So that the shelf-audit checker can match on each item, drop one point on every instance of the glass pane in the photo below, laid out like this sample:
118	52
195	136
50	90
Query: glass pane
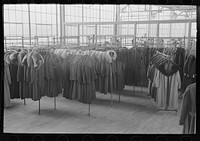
49	18
44	9
6	29
24	7
6	12
19	30
25	17
44	20
33	30
48	8
19	16
26	29
32	8
32	17
53	19
18	7
54	30
38	18
39	30
12	16
13	31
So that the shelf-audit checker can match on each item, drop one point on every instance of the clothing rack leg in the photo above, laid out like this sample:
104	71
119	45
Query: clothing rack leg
111	84
88	109
119	97
39	107
111	98
54	103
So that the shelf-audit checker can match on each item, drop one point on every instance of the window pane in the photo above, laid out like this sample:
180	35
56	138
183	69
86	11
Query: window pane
6	15
26	29
24	7
38	18
19	29
19	16
48	18
44	20
6	29
13	29
12	16
32	17
25	17
33	30
53	19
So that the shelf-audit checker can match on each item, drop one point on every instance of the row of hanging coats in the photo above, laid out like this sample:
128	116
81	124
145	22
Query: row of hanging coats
137	62
39	72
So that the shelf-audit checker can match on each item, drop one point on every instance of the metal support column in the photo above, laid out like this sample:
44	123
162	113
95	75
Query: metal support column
54	103
96	34
189	34
78	35
29	21
56	24
62	24
157	35
39	106
135	31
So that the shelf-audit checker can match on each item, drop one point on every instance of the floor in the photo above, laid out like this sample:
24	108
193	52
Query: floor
135	113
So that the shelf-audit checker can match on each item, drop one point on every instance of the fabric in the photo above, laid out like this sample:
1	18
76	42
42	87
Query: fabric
7	82
167	90
188	110
189	72
14	86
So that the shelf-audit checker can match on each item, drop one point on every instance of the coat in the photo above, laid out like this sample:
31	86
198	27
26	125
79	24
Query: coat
7	82
189	71
167	90
188	110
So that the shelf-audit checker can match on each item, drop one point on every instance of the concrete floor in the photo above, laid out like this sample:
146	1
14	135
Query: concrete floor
134	114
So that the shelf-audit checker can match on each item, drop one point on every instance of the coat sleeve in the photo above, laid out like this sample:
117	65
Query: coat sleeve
156	80
179	80
184	107
33	72
8	76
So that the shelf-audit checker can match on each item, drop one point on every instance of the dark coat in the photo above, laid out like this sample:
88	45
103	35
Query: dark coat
189	71
188	110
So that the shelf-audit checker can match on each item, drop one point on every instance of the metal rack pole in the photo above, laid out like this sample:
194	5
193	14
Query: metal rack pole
88	109
39	107
54	103
111	83
24	101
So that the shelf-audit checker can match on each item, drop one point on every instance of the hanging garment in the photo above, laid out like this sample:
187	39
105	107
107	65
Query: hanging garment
20	74
188	110
151	75
189	72
167	90
13	66
167	81
7	82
